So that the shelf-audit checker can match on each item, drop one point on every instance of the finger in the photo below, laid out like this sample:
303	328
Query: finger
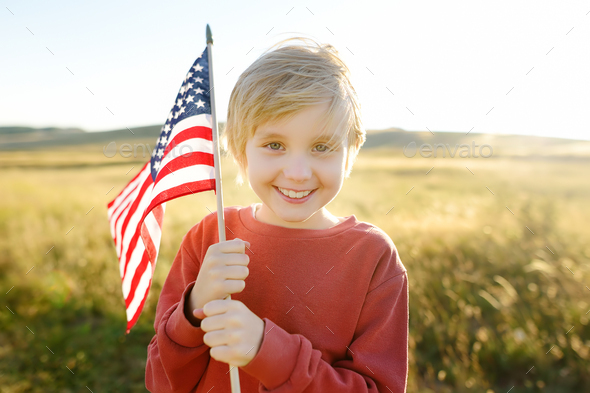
220	353
198	313
216	338
216	307
236	272
214	323
233	286
236	259
233	246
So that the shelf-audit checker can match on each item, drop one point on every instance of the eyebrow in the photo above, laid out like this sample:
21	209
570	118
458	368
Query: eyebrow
270	135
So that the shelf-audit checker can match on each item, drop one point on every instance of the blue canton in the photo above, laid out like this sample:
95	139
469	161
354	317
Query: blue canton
192	99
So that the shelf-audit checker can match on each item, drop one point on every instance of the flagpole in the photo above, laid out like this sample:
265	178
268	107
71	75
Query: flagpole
233	371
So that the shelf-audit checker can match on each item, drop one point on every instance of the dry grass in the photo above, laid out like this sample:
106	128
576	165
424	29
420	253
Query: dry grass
488	298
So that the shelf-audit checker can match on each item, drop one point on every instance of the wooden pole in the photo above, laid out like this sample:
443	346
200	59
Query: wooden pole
233	370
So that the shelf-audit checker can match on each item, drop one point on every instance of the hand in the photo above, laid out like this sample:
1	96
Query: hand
234	333
222	273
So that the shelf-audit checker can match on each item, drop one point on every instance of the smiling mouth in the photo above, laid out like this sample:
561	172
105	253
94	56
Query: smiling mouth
293	194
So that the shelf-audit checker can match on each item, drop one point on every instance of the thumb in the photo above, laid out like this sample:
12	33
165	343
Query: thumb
198	313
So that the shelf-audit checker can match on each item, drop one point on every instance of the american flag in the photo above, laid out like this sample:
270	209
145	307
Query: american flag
181	164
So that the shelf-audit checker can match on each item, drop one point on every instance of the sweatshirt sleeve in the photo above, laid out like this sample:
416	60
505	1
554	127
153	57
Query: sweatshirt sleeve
377	360
177	356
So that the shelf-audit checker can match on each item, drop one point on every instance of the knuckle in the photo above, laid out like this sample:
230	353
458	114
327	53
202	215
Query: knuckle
217	287
214	273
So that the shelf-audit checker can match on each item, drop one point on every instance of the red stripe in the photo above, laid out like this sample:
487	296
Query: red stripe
133	320
137	277
132	189
130	249
183	161
146	257
123	213
190	133
148	242
182	190
131	181
119	242
159	215
132	211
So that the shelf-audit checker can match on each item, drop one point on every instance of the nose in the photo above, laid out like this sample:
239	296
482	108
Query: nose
298	169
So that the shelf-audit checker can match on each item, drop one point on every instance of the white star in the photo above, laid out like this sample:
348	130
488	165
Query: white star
182	109
162	140
199	90
182	89
176	115
167	127
170	116
201	55
189	86
157	165
200	80
198	68
200	104
179	102
190	98
188	76
160	152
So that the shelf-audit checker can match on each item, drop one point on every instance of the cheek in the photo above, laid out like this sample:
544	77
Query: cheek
259	167
333	170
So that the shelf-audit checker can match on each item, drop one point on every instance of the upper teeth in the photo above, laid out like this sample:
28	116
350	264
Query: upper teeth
293	194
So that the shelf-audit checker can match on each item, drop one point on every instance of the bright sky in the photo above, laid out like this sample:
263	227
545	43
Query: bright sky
415	64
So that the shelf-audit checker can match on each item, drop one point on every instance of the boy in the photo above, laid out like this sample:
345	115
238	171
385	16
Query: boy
325	308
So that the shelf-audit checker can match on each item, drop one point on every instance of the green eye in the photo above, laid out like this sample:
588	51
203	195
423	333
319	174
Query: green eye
325	148
274	143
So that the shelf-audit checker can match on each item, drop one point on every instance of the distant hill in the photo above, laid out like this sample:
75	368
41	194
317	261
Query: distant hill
27	138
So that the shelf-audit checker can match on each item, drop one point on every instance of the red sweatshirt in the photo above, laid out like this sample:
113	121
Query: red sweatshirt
334	303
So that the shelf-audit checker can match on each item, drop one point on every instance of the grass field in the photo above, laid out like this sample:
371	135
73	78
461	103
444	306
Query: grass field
492	305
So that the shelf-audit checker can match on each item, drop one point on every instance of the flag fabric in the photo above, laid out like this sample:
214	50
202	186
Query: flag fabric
181	164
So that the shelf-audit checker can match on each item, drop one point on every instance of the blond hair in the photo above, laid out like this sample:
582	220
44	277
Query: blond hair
281	83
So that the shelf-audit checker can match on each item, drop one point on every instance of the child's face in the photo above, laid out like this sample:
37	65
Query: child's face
292	160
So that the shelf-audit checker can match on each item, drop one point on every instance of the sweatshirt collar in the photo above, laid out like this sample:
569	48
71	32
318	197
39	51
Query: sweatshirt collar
264	229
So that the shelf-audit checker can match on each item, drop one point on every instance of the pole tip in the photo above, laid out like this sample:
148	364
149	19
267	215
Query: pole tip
209	35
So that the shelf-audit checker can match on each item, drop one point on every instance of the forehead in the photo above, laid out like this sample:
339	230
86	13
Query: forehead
265	133
308	124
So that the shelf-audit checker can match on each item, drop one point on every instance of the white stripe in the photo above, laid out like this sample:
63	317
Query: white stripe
155	234
134	261
126	191
139	292
124	213
124	210
118	230
202	120
121	211
182	176
189	146
134	221
154	229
